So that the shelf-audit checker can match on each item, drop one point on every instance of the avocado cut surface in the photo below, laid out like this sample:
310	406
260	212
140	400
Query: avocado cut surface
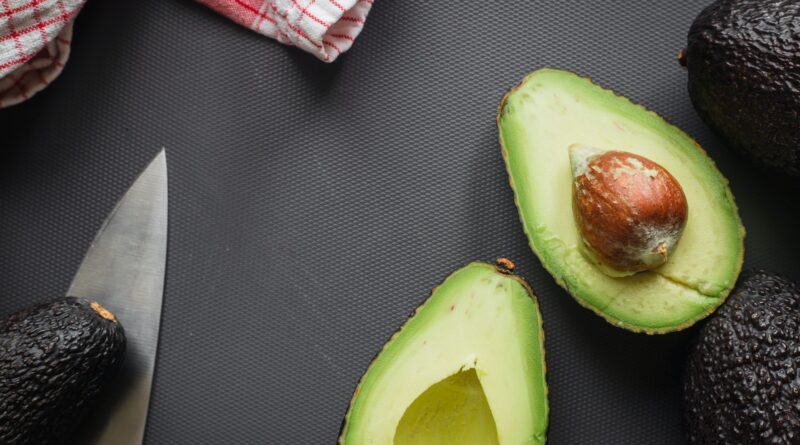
456	400
741	383
743	58
551	110
55	358
467	367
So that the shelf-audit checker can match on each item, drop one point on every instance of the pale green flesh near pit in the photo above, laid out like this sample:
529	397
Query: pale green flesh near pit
454	410
552	110
466	368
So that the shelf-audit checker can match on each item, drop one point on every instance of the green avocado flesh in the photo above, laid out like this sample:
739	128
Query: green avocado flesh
550	111
466	368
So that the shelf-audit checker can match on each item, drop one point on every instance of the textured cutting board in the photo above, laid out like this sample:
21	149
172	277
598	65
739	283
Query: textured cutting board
313	206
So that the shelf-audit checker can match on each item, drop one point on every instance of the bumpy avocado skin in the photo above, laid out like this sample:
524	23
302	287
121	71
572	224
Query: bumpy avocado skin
743	58
742	382
55	358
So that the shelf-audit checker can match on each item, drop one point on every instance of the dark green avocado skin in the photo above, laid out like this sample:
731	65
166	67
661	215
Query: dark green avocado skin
743	382
55	358
743	58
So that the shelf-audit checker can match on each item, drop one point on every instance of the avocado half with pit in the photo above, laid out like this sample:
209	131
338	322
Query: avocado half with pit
551	111
466	368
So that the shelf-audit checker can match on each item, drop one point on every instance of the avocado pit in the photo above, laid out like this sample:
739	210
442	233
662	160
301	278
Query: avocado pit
629	210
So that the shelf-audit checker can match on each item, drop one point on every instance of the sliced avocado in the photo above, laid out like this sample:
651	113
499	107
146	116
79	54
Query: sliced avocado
743	59
467	368
538	121
55	358
741	383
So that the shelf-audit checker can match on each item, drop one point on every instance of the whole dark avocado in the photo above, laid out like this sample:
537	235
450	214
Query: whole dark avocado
743	58
742	383
55	358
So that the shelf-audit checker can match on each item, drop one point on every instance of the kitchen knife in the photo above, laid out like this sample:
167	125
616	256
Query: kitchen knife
124	271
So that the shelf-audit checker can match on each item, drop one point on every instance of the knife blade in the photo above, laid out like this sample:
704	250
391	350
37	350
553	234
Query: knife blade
124	271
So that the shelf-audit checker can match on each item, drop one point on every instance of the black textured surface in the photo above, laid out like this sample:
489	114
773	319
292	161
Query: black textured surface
743	59
742	384
313	206
55	358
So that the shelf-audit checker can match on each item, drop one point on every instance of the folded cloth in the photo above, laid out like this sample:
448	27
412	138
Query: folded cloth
325	28
34	45
35	34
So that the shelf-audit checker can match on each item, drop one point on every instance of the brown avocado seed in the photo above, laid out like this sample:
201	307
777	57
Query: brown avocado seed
630	211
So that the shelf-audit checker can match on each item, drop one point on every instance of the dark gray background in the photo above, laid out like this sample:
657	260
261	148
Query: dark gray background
313	206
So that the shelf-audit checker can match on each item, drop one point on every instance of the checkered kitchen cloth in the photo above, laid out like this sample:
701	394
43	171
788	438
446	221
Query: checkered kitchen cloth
35	34
34	45
325	28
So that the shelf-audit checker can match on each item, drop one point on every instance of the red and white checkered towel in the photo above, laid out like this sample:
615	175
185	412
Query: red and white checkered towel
35	34
325	28
34	45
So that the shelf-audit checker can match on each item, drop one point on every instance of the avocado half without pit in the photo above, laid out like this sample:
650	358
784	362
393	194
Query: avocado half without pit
660	258
466	368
